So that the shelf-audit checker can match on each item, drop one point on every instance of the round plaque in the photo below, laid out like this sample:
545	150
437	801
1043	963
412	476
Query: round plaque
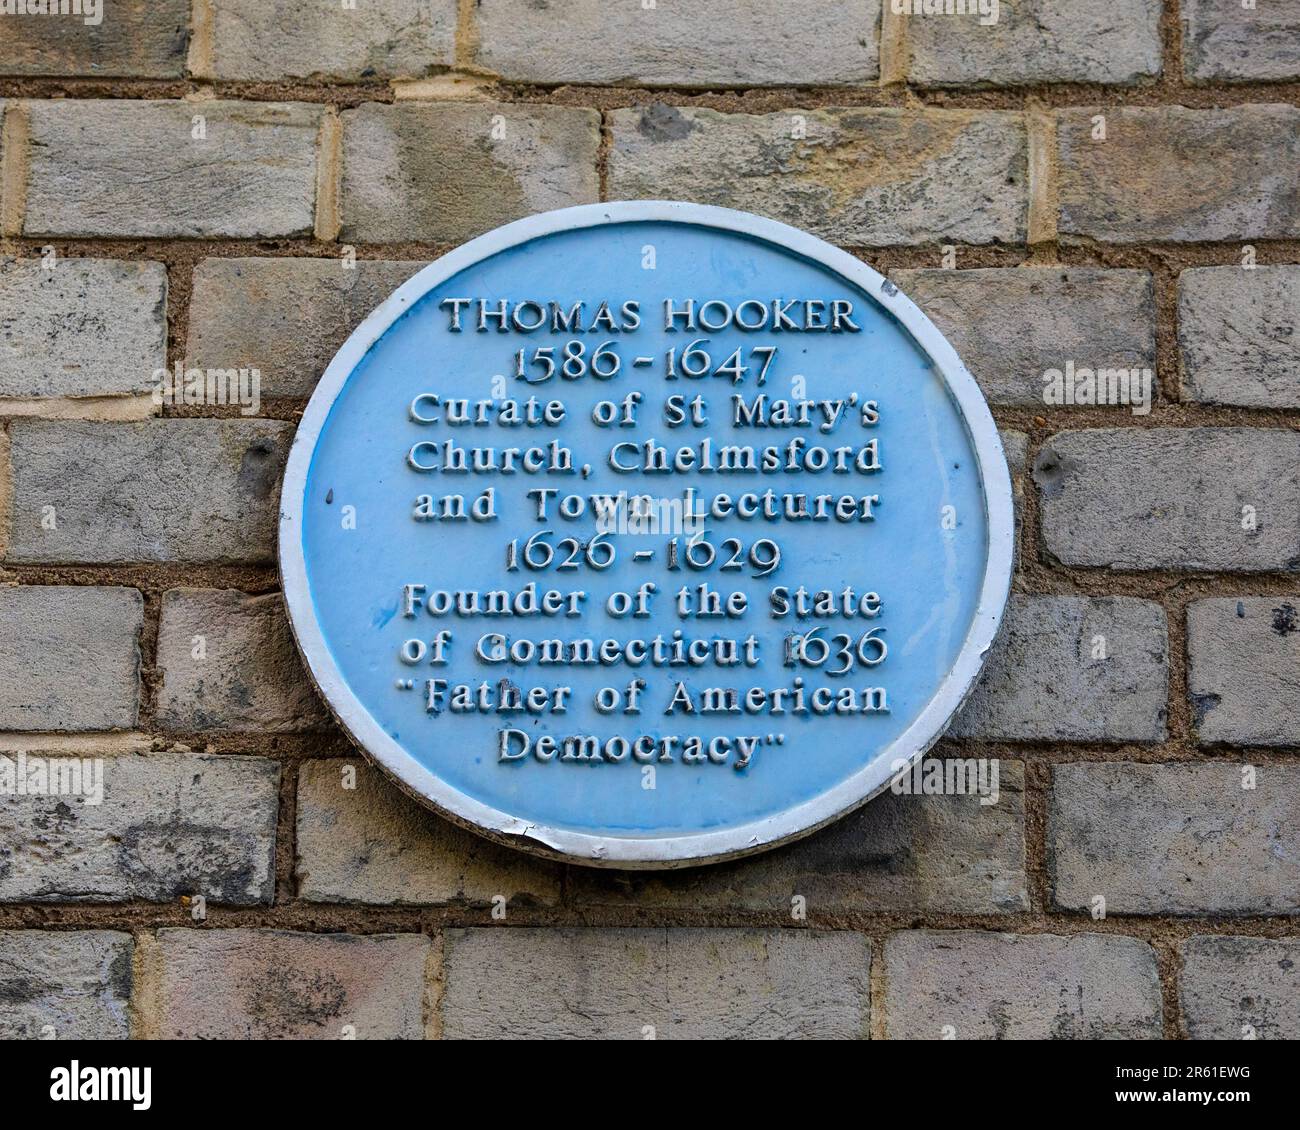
645	534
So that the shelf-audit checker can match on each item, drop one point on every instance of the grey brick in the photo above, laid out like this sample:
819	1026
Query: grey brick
900	854
88	327
1176	174
1012	326
285	317
278	985
376	39
868	177
1243	673
1241	988
124	168
1033	41
159	490
373	844
725	43
1020	987
1225	41
69	657
228	662
435	172
1175	838
166	825
530	983
135	39
1015	445
1236	329
72	985
1172	498
1044	680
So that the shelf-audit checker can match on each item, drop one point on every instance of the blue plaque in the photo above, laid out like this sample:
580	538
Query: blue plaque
646	534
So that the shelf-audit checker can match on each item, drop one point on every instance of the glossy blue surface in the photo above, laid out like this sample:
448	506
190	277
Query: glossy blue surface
927	571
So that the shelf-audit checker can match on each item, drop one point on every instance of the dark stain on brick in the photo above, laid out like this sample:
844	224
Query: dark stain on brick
1064	1026
1285	621
259	468
24	989
283	1001
58	819
121	974
1049	472
664	123
1202	704
169	858
999	1014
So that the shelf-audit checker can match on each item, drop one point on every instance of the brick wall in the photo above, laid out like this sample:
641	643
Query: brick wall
1099	175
